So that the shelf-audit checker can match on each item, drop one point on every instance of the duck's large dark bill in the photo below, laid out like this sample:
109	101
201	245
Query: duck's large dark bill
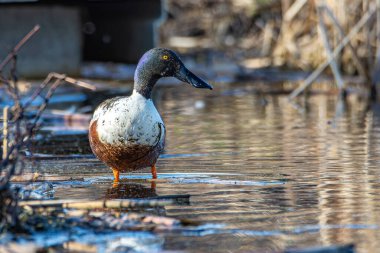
187	76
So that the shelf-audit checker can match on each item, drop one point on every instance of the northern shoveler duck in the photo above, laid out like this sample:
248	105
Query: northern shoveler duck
127	133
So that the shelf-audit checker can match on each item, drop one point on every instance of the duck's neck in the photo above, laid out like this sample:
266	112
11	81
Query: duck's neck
144	80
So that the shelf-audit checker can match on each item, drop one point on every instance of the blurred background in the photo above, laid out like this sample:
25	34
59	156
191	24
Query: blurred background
235	39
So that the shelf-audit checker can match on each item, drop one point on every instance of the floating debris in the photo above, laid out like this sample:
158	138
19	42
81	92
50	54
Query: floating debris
44	190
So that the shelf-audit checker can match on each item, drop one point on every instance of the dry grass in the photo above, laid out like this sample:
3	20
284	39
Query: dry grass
292	34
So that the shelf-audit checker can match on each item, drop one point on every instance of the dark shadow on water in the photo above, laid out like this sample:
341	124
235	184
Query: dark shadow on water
127	190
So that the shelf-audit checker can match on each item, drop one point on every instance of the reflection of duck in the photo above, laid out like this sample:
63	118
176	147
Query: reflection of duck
127	133
135	191
130	191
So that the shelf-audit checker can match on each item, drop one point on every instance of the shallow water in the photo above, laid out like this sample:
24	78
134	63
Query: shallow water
263	175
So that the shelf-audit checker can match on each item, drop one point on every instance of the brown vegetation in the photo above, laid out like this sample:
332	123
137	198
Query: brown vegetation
295	34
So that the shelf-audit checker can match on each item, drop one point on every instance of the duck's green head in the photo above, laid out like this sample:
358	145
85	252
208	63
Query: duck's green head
161	62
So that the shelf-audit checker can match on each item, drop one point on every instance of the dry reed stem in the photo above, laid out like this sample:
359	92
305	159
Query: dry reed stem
311	78
5	132
294	9
359	65
376	69
79	247
325	40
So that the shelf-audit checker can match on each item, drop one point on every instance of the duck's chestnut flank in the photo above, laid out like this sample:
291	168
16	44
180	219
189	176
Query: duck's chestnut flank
127	133
124	157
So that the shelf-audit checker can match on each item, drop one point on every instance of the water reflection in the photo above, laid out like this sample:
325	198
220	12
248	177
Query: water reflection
309	177
328	155
126	190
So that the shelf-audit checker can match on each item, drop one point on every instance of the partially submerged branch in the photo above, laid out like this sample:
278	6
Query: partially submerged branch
95	204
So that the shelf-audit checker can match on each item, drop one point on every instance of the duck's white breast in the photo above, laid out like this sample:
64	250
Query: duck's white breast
132	119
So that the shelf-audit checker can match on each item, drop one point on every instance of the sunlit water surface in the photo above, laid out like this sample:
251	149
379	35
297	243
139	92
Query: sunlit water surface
263	175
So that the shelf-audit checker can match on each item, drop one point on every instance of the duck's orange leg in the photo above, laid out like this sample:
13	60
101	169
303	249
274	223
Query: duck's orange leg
116	175
154	171
154	176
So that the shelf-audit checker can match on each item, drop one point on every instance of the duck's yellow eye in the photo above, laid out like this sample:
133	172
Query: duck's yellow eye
165	57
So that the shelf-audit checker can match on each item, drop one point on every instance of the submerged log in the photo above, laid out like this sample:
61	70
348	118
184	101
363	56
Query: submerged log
329	249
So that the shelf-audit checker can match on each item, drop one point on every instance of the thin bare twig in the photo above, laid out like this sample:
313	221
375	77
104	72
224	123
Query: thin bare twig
19	45
59	77
73	81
